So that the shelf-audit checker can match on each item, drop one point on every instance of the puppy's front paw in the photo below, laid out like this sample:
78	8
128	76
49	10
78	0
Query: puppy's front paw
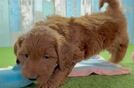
50	85
47	86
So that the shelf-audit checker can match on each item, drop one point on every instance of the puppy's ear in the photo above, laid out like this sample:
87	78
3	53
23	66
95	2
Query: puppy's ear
18	45
65	55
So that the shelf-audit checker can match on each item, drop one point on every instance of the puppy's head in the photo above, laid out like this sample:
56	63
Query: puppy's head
42	51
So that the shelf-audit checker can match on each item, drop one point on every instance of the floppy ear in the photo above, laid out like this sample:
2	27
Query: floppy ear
18	43
17	46
68	55
65	55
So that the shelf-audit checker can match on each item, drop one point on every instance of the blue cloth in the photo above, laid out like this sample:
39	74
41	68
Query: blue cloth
13	78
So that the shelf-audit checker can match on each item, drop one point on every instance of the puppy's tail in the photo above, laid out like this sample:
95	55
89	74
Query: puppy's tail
112	4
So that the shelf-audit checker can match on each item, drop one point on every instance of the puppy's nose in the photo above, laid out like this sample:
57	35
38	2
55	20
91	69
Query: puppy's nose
31	77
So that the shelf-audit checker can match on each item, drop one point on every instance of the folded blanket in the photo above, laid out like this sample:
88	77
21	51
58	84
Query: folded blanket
97	65
12	77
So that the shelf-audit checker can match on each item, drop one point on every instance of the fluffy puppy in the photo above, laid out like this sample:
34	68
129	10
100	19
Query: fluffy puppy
52	48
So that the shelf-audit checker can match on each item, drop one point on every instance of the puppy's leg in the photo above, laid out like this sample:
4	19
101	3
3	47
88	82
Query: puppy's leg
58	78
117	51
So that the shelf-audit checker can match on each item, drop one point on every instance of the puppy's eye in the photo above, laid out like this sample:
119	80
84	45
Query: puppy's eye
26	55
46	57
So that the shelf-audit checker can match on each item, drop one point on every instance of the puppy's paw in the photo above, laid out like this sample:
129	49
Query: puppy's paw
50	85
47	86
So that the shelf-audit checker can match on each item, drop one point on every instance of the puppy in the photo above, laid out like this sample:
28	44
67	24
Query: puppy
51	49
